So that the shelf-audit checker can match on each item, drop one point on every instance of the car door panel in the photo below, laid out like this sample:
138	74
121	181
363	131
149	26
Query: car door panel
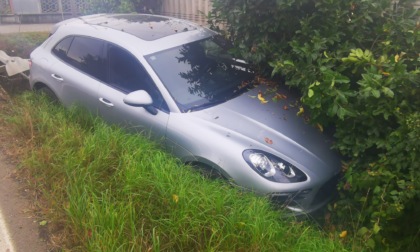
126	74
78	83
135	119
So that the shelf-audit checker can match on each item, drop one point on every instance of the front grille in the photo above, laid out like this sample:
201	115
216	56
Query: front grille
292	199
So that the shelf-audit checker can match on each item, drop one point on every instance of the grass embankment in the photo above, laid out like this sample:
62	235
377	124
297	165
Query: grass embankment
21	44
112	191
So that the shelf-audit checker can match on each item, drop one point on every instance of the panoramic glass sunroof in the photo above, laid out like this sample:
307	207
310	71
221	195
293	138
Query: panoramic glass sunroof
145	27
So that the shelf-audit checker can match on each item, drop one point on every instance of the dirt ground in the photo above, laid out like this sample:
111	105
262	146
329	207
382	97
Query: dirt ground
16	206
16	200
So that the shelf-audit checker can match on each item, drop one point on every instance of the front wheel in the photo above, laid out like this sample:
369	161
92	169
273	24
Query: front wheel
207	171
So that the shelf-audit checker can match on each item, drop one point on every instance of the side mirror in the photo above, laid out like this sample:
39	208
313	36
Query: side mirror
141	98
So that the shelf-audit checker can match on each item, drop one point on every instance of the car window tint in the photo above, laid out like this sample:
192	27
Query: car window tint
88	55
127	75
61	49
201	74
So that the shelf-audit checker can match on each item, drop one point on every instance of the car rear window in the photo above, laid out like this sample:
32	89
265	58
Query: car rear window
61	49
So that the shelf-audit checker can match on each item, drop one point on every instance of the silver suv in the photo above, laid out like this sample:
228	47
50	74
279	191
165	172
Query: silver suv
177	82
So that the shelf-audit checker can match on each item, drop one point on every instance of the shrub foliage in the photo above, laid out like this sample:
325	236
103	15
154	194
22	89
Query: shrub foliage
356	64
120	6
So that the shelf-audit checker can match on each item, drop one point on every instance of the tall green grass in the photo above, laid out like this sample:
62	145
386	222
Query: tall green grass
113	191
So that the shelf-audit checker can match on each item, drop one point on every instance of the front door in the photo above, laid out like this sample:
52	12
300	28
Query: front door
126	75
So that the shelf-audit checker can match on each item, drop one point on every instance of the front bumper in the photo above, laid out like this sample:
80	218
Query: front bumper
308	200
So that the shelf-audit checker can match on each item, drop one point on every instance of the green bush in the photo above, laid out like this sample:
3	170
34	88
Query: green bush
108	6
356	64
121	6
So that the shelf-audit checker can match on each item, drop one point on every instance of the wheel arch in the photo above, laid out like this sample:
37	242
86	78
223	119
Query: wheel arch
38	85
207	165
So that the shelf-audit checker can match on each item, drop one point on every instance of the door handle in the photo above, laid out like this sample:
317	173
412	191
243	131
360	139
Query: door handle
106	102
57	77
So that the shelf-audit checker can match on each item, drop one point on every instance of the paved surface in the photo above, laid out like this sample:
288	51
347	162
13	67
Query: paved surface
17	28
19	228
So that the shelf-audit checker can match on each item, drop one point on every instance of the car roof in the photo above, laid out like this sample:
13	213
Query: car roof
144	26
152	33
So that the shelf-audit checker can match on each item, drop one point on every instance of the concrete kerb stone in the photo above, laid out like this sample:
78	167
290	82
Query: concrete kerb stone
18	28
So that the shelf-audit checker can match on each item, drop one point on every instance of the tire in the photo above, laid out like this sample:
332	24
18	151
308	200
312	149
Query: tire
46	91
207	171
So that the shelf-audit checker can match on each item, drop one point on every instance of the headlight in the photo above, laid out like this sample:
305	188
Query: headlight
273	168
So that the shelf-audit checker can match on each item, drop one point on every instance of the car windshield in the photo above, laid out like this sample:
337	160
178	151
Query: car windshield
201	74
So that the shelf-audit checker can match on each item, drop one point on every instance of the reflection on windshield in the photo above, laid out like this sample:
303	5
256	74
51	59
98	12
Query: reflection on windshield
200	74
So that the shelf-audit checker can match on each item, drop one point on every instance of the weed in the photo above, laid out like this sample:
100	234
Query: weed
21	44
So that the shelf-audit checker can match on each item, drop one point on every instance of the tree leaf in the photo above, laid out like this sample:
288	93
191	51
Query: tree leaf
261	98
376	228
310	93
341	112
375	93
388	92
320	128
362	231
288	62
370	243
300	112
175	198
359	53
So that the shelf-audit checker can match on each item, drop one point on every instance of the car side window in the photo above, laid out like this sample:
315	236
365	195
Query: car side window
127	75
61	49
88	55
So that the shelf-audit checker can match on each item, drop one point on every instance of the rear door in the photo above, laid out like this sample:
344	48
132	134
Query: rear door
78	70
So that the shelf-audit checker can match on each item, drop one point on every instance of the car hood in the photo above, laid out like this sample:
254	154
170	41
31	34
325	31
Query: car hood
276	126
